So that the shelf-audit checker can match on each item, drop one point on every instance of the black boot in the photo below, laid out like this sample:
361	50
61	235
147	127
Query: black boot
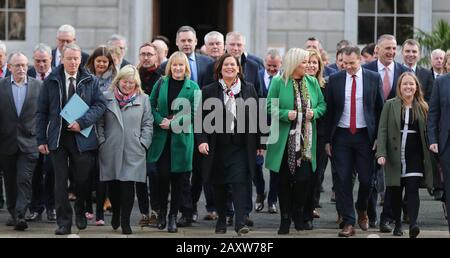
162	220
298	221
172	226
125	224
284	225
221	225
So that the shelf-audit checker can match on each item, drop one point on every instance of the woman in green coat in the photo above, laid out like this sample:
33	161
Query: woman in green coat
172	102
291	151
402	149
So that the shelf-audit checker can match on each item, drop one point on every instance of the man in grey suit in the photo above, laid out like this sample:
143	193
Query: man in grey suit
438	128
19	153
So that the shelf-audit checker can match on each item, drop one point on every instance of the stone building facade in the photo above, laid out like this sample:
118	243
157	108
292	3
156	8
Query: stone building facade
275	23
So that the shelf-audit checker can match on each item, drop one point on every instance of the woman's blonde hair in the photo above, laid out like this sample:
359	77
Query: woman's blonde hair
178	56
319	74
127	72
418	96
291	61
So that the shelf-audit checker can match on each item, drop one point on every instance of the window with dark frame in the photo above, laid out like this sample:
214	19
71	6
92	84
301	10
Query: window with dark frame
12	20
378	17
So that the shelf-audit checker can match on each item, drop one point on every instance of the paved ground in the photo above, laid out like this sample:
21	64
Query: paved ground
431	222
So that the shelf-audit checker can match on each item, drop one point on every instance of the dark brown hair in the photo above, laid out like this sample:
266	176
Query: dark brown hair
219	64
101	51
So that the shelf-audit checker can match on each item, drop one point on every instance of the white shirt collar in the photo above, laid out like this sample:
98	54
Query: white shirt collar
68	76
25	82
358	74
381	66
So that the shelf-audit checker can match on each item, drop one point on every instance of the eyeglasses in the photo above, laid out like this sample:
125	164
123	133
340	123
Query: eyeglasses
148	55
17	66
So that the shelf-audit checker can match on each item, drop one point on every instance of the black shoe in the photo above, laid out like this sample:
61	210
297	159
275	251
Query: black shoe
221	226
126	230
172	225
385	228
51	215
33	217
61	231
373	224
398	231
273	208
11	222
81	221
230	221
308	225
242	230
21	225
414	231
248	222
284	227
115	221
184	222
162	221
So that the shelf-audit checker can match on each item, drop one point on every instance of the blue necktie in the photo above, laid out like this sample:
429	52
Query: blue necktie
193	67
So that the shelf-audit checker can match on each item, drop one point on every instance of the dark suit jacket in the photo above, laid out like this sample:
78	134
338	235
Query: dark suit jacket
373	102
18	131
327	72
215	90
84	58
398	70
426	80
257	60
333	66
124	63
32	72
203	63
7	74
438	119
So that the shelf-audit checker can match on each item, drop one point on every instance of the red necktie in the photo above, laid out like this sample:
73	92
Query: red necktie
1	73
43	76
353	107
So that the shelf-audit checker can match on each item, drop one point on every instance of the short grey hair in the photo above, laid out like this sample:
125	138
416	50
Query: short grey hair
385	37
15	53
117	37
66	28
437	52
186	29
273	53
41	47
235	34
215	35
2	46
72	46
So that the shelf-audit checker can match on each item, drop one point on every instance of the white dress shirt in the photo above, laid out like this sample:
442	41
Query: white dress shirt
345	118
57	58
68	82
381	71
267	78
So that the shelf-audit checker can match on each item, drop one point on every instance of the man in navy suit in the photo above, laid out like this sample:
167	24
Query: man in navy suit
66	35
390	71
354	104
438	128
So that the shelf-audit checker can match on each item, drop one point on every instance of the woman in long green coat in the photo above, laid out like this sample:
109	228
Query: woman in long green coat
291	151
172	102
402	149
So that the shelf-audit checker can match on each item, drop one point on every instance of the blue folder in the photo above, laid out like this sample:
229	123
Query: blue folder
74	109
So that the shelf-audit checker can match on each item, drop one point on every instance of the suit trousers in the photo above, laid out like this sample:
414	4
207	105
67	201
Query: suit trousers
43	197
81	164
240	200
18	174
445	163
352	153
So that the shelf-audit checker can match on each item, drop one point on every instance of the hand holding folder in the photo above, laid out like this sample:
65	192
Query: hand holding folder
74	109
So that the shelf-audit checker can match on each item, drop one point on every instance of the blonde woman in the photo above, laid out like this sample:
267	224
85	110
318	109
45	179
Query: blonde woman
293	156
124	134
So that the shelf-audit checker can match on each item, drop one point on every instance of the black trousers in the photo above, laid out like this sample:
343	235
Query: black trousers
100	188
352	153
81	164
239	195
322	163
170	182
445	163
43	185
18	174
411	186
121	195
293	190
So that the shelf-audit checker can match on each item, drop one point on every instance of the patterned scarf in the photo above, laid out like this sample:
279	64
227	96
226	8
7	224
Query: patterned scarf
229	97
300	136
122	99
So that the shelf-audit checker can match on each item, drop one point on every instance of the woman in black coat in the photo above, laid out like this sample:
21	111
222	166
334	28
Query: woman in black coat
229	152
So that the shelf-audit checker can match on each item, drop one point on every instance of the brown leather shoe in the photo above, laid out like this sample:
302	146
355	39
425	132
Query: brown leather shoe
348	231
363	220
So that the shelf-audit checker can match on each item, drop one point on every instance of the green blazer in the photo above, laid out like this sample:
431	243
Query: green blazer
182	144
389	143
285	94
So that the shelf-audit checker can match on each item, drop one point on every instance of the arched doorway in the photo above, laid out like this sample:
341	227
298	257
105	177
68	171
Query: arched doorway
203	15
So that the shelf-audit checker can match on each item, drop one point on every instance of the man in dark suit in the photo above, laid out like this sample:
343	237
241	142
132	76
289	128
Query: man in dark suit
437	63
19	153
42	56
63	141
256	59
389	71
438	128
340	45
354	104
66	35
120	42
411	56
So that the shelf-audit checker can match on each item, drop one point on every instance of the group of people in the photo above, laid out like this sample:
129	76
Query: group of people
194	123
